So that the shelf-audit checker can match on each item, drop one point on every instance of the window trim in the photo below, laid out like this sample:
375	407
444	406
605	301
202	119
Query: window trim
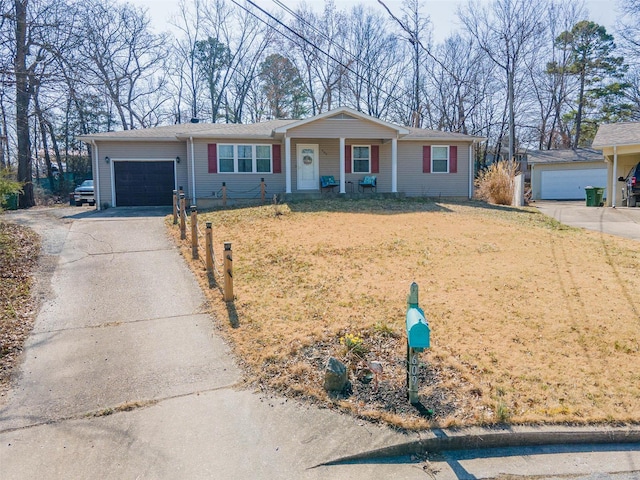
354	159
254	158
448	149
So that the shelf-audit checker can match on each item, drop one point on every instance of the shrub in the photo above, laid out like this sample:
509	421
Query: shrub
8	186
495	183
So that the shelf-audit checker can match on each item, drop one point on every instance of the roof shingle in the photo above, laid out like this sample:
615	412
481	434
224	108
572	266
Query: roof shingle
617	134
565	156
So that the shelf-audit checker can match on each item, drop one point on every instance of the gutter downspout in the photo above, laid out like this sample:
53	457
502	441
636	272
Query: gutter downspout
97	175
614	178
471	170
193	174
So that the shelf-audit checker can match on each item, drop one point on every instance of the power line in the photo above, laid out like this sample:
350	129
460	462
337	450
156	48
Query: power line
343	49
312	44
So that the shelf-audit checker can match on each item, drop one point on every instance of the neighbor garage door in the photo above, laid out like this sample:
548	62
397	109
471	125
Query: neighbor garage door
143	183
569	184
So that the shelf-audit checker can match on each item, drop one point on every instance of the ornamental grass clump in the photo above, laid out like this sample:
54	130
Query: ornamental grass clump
495	183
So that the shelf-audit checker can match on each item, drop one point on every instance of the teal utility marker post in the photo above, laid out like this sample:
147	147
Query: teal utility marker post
418	339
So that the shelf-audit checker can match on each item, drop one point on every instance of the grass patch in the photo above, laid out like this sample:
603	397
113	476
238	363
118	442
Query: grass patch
532	322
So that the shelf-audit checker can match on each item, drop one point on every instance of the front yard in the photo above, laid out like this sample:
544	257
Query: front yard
531	321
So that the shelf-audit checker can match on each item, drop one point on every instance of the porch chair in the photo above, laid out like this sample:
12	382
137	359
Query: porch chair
367	182
328	182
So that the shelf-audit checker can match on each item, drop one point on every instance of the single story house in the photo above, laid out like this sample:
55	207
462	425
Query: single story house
620	145
563	174
143	167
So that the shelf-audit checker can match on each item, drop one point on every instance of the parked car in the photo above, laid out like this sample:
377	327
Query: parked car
631	190
84	193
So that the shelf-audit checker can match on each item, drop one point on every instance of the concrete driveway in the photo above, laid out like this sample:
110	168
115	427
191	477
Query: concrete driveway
124	377
620	221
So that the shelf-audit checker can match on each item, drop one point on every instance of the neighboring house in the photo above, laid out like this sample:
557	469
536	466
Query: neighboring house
620	145
143	167
563	174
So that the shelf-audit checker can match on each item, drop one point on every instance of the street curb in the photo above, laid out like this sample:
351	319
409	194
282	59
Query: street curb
448	441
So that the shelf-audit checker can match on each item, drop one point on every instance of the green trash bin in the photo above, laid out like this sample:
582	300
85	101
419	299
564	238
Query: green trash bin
591	196
598	196
10	201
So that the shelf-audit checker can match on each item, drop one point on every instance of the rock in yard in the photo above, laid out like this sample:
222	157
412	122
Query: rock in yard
335	375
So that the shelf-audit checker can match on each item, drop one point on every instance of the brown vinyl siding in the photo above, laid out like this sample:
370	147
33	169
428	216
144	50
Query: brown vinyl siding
239	185
413	182
330	161
151	151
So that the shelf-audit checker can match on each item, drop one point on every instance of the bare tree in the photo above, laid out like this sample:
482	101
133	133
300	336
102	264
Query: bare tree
23	99
375	72
458	84
507	31
185	76
123	59
318	52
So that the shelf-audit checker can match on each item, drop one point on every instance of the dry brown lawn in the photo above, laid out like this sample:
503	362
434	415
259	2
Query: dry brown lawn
532	321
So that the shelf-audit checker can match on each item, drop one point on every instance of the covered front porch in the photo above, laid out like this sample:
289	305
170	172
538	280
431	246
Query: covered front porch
620	145
343	146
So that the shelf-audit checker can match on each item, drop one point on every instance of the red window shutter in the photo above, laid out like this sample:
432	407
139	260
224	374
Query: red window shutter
375	159
453	159
347	159
426	159
277	159
212	150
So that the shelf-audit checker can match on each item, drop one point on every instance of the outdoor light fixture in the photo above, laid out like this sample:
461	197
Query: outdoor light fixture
177	159
107	159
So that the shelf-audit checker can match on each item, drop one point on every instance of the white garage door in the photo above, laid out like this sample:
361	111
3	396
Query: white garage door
569	184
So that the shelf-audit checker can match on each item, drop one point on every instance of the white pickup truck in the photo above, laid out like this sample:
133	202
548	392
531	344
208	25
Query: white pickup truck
84	193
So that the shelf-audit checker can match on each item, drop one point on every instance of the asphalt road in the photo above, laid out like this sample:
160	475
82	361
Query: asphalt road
124	377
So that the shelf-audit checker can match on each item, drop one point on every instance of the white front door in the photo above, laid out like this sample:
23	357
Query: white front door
308	167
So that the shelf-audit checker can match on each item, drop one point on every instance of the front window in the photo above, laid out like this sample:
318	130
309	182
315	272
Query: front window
263	158
361	159
439	159
225	157
244	158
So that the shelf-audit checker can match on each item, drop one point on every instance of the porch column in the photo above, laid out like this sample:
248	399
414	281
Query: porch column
342	179
394	165
614	177
287	163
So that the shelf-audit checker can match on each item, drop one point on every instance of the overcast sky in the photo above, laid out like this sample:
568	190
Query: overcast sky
442	12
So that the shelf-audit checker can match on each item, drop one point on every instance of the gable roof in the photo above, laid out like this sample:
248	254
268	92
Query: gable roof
617	134
565	156
344	112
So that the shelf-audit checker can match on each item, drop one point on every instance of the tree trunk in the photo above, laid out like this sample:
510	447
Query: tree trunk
23	97
579	114
45	145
